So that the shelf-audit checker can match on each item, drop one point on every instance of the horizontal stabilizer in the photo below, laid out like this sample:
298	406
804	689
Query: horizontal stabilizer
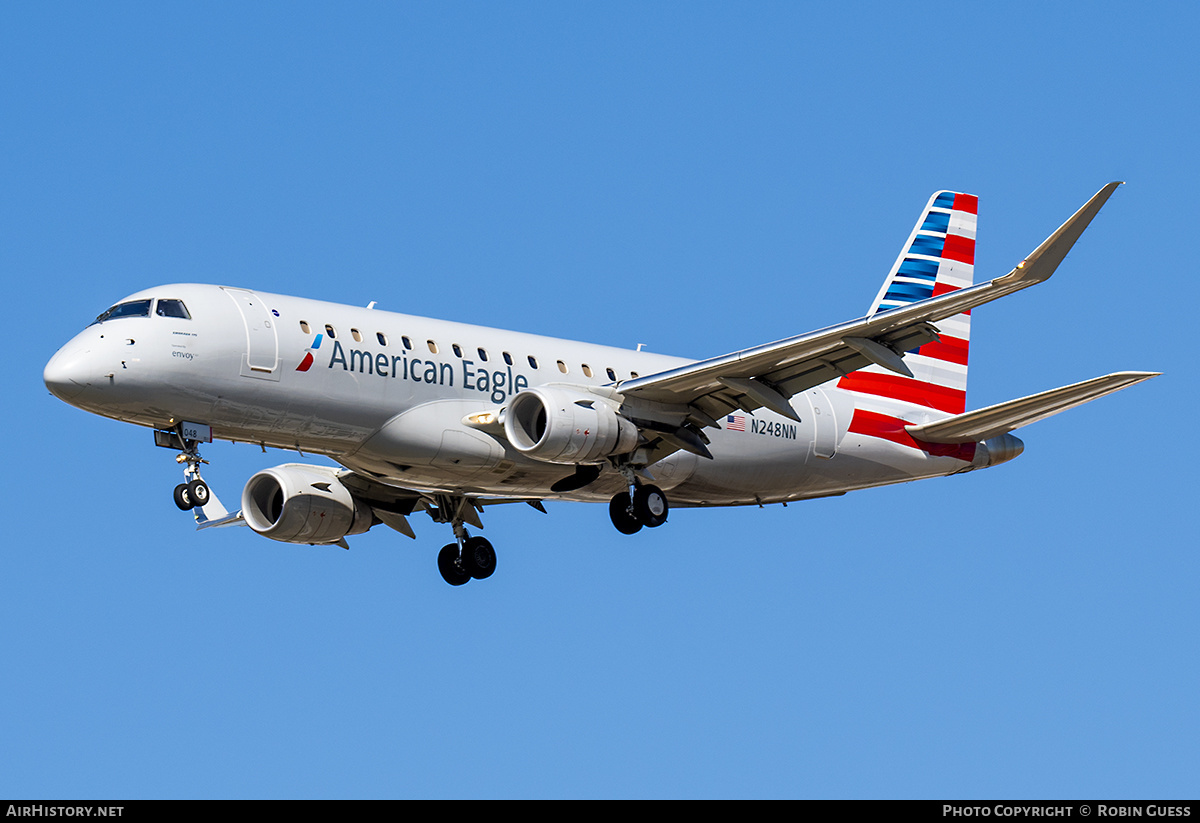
974	426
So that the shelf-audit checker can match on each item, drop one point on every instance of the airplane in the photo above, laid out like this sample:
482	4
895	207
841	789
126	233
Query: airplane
445	418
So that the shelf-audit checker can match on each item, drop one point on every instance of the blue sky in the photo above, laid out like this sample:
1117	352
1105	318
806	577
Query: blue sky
695	177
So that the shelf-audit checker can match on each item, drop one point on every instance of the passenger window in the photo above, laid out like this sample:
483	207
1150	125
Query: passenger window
407	343
532	362
172	308
304	327
508	358
457	349
329	330
432	346
381	338
612	375
633	374
482	354
562	367
587	370
357	335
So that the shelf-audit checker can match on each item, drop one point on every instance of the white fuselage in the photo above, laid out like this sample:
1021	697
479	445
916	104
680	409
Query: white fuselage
385	395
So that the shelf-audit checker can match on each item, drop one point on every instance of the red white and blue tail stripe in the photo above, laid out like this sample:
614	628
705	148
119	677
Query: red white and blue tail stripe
939	257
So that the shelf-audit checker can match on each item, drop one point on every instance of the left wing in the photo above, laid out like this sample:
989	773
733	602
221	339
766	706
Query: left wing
390	505
768	375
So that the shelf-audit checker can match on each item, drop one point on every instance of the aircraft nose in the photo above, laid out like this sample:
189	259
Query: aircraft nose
66	374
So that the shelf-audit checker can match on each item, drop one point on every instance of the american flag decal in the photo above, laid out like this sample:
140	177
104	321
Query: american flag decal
735	423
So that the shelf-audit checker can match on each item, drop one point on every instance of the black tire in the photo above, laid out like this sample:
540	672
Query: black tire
650	506
198	493
618	510
452	572
479	558
182	499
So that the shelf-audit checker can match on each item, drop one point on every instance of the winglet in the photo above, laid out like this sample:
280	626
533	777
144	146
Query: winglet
1042	262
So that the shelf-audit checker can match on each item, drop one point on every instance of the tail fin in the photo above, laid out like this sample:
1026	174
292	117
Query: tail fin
939	257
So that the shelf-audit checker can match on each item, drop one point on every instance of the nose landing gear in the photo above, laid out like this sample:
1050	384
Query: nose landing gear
193	492
191	495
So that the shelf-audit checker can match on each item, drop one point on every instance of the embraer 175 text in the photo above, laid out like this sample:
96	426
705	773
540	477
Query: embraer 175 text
447	418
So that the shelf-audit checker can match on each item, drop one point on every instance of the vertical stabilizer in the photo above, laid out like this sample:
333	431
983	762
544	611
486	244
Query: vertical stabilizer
939	257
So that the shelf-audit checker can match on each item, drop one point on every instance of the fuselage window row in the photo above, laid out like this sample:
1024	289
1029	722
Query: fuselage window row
170	311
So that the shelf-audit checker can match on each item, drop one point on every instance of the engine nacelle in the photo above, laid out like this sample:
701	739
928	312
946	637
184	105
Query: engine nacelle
297	503
562	425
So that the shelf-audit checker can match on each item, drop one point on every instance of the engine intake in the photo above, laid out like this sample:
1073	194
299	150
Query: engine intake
296	503
562	425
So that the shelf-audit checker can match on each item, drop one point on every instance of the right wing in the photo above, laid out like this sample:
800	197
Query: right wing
768	375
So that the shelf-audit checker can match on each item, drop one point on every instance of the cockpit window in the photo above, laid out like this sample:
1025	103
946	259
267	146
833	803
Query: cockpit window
172	308
134	308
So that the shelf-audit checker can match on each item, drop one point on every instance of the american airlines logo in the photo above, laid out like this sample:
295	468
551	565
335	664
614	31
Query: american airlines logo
307	362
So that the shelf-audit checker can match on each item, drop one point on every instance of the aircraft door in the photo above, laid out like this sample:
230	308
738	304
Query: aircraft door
824	421
261	358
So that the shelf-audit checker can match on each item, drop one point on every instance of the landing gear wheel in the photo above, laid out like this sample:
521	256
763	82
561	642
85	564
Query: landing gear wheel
618	510
650	506
452	571
182	499
479	558
198	492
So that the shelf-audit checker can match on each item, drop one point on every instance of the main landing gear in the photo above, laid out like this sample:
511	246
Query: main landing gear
468	557
476	559
642	505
